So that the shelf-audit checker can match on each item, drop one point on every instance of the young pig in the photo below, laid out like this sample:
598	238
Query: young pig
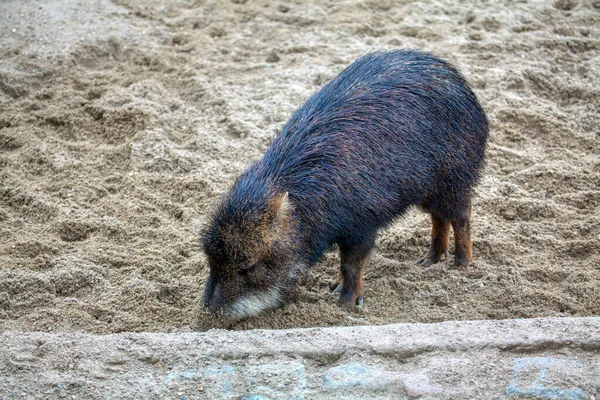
394	129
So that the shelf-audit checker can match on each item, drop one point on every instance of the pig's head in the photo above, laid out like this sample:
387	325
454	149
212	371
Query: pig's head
252	256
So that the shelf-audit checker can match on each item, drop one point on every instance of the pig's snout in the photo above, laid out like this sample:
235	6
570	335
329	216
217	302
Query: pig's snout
211	294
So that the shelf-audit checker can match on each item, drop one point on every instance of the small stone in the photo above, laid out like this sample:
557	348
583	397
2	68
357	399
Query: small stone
565	5
475	36
273	57
237	130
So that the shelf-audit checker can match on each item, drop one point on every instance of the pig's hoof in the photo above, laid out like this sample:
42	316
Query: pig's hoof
429	260
461	263
336	288
425	262
350	305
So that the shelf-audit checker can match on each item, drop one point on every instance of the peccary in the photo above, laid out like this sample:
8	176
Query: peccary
392	130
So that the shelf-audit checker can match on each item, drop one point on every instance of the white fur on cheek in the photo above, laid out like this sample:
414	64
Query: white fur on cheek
255	303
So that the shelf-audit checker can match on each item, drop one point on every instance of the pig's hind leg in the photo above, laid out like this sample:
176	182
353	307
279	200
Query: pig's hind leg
354	255
463	252
440	234
458	214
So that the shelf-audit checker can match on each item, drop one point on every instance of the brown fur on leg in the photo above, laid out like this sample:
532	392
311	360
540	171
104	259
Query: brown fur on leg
462	239
351	279
440	237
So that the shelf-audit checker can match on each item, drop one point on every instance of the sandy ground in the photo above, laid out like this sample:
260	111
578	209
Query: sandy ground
121	125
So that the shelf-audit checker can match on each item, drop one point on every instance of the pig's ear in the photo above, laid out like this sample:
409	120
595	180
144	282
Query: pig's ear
282	205
281	216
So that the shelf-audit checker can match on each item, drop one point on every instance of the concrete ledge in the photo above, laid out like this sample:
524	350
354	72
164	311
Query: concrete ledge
555	358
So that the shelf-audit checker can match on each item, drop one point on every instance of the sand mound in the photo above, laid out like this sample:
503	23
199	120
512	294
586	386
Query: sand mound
122	124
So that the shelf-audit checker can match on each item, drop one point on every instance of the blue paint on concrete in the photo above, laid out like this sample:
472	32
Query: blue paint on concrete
255	397
289	381
265	393
541	392
178	376
226	388
299	391
285	380
353	375
226	369
541	385
521	363
221	375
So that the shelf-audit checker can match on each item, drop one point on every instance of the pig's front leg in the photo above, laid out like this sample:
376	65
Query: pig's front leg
355	255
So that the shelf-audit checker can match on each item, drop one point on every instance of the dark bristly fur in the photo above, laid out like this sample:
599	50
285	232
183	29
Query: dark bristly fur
394	129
